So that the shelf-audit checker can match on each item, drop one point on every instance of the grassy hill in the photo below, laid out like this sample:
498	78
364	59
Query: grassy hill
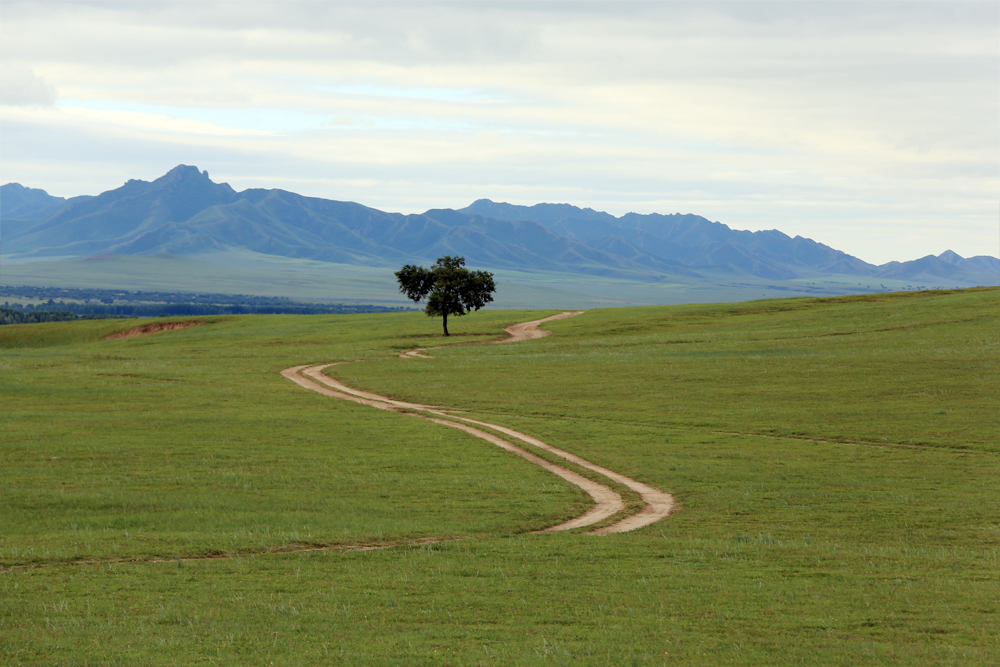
268	275
835	461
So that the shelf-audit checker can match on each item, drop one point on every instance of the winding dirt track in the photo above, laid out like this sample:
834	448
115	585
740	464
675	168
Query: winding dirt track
607	502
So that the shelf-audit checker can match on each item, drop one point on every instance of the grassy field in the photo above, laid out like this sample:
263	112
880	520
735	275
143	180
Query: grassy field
836	462
266	275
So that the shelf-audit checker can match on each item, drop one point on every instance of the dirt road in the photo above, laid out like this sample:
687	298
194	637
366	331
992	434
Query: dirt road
607	502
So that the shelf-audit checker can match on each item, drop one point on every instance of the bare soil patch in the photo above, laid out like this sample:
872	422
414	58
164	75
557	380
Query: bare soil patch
151	328
529	330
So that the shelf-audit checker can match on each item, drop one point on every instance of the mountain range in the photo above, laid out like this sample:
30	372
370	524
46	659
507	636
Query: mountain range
185	213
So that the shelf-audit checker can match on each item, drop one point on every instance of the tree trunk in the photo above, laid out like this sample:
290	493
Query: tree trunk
445	315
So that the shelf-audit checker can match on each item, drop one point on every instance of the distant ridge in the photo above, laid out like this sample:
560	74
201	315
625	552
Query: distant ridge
185	213
17	201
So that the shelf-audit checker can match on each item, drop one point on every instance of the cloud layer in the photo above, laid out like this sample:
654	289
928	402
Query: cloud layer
869	127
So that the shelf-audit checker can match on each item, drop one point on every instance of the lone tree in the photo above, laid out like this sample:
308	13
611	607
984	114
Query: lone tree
453	289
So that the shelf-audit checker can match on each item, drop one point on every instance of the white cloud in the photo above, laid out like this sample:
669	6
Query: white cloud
19	86
851	123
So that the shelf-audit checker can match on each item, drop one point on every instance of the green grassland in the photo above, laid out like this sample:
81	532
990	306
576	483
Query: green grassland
245	272
836	464
234	273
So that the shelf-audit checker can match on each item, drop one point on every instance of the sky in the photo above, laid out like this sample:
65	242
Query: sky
871	127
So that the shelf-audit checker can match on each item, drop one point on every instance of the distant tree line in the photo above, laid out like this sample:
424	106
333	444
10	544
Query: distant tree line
125	303
12	316
163	309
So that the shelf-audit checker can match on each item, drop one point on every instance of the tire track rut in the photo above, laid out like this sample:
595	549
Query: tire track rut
607	502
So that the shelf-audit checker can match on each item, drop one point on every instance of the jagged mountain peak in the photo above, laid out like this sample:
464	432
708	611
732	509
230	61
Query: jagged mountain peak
190	177
184	212
184	172
950	256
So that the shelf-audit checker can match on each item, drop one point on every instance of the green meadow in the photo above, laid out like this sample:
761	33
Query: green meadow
244	272
171	499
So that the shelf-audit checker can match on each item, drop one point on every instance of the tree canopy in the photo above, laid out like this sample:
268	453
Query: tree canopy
450	288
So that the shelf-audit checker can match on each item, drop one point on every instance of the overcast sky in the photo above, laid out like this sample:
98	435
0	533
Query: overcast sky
873	128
